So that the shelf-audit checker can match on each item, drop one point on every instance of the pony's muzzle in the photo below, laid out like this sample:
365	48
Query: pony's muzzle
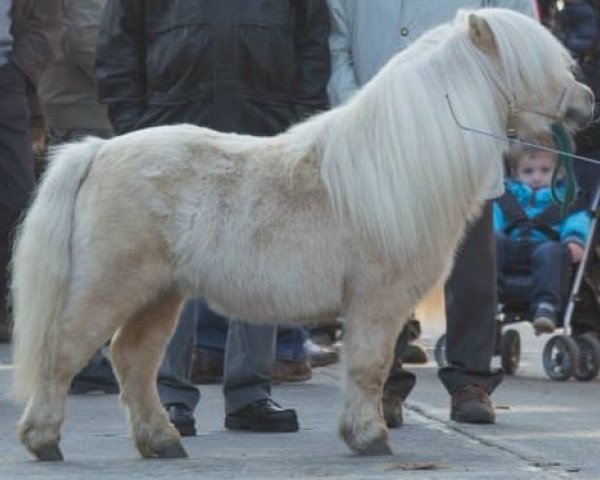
579	111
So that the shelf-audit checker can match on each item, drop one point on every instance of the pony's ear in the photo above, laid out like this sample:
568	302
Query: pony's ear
481	35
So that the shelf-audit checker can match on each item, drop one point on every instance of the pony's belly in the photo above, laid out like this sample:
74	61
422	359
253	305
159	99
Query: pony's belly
280	299
273	286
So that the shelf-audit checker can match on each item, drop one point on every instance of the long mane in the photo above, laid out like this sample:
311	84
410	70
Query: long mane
393	158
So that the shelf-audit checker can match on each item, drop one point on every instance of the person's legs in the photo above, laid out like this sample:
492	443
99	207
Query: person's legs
549	271
211	335
16	173
96	376
501	241
398	385
249	359
176	393
471	324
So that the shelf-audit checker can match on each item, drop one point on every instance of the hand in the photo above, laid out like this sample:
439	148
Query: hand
576	252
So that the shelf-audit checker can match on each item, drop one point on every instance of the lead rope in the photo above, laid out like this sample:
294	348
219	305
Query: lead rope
564	161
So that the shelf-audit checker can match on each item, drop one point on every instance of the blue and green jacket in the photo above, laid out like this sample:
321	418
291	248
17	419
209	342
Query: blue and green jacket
572	228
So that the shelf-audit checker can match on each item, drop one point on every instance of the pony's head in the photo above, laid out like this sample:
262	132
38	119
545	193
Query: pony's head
531	69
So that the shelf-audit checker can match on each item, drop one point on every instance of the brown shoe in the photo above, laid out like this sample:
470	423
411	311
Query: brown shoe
472	404
414	353
287	371
321	355
206	368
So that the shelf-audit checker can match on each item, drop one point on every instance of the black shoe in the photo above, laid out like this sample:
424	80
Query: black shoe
182	419
95	377
263	416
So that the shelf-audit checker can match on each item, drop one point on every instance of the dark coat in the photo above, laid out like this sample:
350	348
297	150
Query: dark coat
246	66
36	29
579	27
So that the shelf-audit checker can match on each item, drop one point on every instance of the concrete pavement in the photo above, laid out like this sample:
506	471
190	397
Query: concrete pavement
545	430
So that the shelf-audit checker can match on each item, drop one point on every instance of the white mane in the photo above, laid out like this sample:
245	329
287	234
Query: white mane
397	135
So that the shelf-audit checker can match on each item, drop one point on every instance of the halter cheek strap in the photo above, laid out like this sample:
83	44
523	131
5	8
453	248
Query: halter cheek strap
492	73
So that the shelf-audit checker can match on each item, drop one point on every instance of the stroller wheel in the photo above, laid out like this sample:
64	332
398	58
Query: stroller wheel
439	352
510	351
589	357
561	357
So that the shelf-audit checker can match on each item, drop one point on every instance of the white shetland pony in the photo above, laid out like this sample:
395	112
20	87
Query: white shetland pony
356	211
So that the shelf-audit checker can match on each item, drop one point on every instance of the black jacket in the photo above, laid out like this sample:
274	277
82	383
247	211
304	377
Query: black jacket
246	66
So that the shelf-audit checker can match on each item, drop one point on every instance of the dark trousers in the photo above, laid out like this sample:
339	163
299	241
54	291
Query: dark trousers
470	293
16	166
212	333
248	363
549	264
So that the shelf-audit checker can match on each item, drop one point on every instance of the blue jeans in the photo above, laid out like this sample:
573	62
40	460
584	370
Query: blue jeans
212	332
549	263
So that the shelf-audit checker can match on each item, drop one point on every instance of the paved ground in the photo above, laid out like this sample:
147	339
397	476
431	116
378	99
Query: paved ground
545	430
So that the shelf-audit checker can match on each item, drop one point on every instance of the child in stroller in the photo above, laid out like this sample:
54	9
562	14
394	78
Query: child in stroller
532	232
553	275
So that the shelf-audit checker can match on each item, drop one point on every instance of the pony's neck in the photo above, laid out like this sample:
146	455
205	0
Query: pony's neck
393	157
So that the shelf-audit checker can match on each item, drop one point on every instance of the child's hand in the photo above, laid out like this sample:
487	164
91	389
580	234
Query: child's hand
576	252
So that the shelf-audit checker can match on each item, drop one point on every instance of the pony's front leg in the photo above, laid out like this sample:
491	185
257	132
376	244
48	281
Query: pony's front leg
371	329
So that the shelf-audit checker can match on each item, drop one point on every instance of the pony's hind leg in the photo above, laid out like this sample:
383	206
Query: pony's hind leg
371	329
68	346
137	350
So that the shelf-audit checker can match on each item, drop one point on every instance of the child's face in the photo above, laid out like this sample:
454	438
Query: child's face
535	168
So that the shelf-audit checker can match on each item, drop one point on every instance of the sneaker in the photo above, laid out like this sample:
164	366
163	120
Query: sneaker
472	404
321	355
544	320
206	369
291	371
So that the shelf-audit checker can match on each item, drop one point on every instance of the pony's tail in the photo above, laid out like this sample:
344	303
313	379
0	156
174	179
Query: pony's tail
42	264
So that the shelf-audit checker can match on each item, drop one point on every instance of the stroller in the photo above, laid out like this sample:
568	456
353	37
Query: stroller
576	351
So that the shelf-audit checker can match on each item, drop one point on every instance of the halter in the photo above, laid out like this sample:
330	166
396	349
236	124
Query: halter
512	132
564	150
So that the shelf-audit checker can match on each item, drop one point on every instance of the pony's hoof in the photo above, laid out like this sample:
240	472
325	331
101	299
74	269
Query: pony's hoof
173	450
49	453
380	447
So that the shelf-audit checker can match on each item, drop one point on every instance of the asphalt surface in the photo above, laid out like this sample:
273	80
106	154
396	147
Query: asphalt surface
544	430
